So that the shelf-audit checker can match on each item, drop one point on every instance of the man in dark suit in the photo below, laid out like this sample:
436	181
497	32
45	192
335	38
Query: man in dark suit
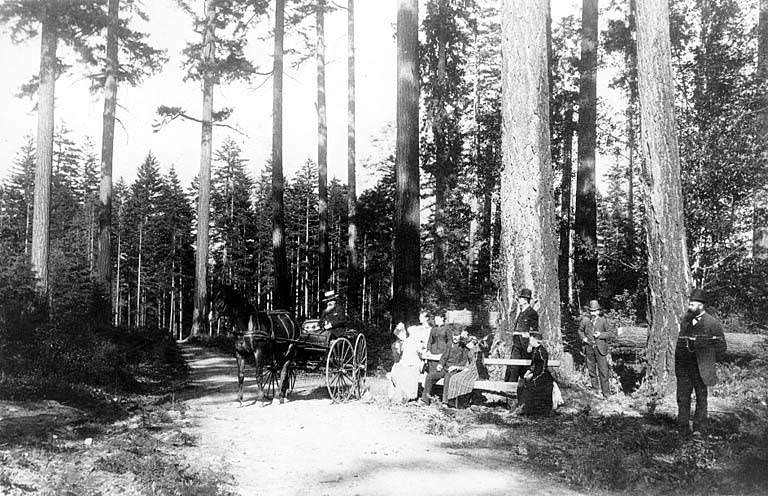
701	339
333	317
596	331
527	322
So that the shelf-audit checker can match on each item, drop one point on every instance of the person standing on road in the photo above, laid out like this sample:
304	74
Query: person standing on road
700	341
596	331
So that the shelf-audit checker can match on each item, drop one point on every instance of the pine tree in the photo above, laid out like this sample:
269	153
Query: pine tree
527	235
668	272
585	224
407	249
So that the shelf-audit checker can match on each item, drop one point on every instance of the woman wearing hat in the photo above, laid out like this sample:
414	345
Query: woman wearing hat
534	391
405	373
596	331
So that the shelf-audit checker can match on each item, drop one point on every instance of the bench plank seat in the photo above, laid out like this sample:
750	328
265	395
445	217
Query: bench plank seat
490	386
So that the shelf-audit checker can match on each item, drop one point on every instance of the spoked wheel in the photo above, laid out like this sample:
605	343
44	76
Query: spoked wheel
361	364
270	375
340	370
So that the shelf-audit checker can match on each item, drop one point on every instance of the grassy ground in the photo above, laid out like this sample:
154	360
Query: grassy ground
619	445
119	435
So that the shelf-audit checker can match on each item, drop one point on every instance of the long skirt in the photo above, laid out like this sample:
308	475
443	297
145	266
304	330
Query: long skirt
535	395
461	383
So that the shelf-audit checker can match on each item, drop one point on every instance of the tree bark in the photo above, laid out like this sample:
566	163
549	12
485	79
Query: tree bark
44	159
586	205
407	243
441	156
322	153
669	277
353	276
281	296
760	229
200	313
528	241
103	256
564	259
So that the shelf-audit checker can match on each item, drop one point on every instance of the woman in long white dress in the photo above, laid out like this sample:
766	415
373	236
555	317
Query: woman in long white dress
404	377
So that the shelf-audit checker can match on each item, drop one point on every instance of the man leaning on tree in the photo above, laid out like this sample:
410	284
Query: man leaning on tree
527	322
701	339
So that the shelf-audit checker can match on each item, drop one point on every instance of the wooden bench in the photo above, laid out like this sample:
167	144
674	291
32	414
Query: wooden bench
498	387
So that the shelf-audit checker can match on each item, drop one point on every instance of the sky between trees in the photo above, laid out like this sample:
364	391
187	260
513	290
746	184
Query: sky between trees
177	144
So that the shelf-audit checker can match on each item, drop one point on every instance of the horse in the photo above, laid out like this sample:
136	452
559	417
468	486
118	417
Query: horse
256	337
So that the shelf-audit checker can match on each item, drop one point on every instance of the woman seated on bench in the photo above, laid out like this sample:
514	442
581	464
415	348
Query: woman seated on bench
534	391
461	384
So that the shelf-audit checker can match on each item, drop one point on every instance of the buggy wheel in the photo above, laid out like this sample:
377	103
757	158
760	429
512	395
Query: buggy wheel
361	364
270	375
340	370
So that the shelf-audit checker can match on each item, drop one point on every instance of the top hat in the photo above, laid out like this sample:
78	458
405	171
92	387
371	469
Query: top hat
698	295
329	295
593	306
525	293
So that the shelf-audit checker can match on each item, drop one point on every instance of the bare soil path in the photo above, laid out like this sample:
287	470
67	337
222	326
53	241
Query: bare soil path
309	446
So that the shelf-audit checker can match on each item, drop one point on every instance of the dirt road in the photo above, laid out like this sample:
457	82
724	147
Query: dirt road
309	446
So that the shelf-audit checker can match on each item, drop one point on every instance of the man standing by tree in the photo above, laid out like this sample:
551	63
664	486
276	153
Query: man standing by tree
595	331
701	340
527	322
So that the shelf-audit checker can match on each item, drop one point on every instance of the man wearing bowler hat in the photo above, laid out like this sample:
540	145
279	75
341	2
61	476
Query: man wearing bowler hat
701	339
596	331
527	322
333	316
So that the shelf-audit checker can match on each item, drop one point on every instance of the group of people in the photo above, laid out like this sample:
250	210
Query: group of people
437	349
447	352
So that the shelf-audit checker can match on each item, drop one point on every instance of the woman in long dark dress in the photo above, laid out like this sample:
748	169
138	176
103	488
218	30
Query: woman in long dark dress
534	391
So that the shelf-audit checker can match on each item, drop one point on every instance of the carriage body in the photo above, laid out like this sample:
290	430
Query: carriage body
343	351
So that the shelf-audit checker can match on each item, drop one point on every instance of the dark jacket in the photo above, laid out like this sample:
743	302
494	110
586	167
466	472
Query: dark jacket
335	317
709	343
527	321
457	354
606	328
439	340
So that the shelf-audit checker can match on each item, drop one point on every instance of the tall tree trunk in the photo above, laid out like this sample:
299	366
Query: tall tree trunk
138	275
631	133
441	146
353	276
118	318
760	229
103	256
322	153
407	244
199	314
281	293
586	205
44	160
564	259
669	277
527	214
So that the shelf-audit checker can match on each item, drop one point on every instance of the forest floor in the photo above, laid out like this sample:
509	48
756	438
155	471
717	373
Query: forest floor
193	438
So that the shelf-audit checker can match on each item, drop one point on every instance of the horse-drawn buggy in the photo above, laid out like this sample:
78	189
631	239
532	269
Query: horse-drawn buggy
278	347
